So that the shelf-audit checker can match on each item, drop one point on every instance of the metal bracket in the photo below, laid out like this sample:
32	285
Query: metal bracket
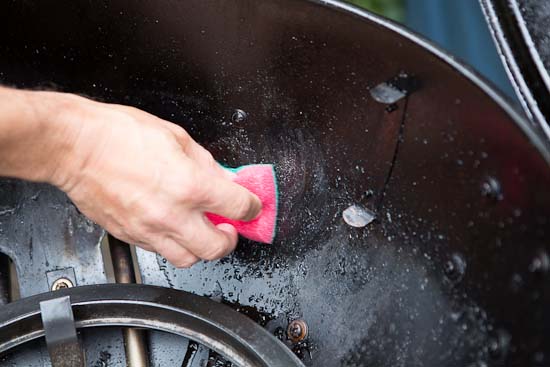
61	338
53	246
63	278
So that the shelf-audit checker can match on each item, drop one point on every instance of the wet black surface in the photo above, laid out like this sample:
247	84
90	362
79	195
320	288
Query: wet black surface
443	276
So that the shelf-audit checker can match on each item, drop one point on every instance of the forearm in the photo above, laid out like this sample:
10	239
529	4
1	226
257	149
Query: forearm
33	141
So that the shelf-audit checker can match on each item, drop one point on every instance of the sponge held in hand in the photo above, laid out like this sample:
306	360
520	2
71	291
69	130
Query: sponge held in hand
261	180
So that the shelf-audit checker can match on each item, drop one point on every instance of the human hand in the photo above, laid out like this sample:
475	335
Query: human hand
146	181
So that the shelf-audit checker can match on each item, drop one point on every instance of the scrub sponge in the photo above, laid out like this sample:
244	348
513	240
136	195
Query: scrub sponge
261	180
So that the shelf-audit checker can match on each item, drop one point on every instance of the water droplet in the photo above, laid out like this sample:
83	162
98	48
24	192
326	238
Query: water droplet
358	216
239	116
516	283
499	344
541	263
455	268
391	107
491	189
538	358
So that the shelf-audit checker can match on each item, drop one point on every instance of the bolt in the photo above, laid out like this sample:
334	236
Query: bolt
297	331
239	116
455	268
62	283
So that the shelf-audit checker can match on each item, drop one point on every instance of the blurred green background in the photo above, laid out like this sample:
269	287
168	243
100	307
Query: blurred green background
455	25
393	9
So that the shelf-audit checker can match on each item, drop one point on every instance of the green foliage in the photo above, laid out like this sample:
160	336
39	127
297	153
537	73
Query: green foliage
393	9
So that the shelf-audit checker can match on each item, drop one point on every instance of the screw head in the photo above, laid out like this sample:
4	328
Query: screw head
62	283
297	331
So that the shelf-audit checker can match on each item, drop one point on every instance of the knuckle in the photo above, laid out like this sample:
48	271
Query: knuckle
214	252
218	248
158	215
137	231
166	135
207	156
177	256
242	208
181	135
188	190
124	234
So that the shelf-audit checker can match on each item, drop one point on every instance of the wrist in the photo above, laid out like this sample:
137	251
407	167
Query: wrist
60	118
41	139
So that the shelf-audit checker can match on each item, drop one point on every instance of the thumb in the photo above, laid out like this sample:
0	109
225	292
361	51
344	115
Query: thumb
228	199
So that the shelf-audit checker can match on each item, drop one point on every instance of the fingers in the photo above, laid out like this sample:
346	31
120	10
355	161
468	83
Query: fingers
204	158
206	241
176	254
197	152
201	156
226	198
209	242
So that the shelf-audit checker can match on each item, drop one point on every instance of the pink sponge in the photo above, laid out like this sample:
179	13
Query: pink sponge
259	179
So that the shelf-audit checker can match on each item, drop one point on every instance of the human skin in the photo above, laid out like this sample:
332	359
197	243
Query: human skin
143	179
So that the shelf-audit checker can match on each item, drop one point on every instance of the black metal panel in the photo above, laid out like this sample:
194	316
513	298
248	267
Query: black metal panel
48	238
458	180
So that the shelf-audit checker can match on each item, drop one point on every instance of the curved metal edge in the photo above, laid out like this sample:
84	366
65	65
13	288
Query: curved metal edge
157	308
535	138
531	47
522	64
520	87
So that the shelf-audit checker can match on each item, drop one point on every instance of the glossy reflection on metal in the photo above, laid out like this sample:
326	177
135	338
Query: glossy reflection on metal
123	269
60	332
457	179
131	305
